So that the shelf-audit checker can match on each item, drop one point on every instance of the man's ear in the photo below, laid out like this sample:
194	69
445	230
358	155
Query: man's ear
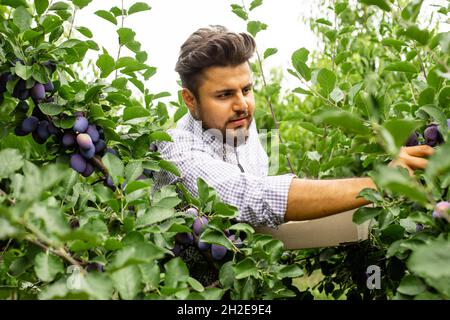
189	99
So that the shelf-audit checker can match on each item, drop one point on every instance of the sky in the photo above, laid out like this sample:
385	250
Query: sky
164	28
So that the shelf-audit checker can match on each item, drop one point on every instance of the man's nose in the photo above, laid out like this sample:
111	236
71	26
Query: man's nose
240	105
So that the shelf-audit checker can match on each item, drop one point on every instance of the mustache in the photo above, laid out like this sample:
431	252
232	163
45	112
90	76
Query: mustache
246	115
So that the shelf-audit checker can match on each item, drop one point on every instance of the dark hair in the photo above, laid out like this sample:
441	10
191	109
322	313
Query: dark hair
211	46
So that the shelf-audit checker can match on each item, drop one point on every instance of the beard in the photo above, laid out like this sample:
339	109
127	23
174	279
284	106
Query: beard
231	136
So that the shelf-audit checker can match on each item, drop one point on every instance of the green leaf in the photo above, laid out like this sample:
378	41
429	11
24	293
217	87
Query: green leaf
270	51
324	21
393	42
81	3
246	268
106	64
22	18
127	281
7	230
437	115
216	237
382	4
400	183
51	22
363	214
290	271
402	66
298	59
51	109
25	72
411	285
427	96
85	32
253	27
47	266
150	274
154	215
160	136
344	119
197	286
41	6
59	6
135	112
239	11
138	7
399	130
415	33
136	253
107	16
14	3
11	161
444	97
133	170
170	167
430	262
126	35
255	3
412	10
176	272
114	166
327	80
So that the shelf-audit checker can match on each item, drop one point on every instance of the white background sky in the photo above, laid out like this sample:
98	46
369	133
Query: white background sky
164	28
167	25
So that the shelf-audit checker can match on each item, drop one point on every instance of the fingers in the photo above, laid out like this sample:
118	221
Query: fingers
419	151
415	162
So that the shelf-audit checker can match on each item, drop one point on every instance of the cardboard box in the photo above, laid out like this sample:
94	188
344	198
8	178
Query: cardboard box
334	230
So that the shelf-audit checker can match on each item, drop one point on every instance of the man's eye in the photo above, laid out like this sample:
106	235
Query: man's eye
223	95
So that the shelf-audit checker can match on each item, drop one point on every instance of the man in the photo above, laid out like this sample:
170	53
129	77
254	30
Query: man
217	140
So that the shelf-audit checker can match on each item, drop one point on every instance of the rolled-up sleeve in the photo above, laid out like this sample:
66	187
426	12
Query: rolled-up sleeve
261	201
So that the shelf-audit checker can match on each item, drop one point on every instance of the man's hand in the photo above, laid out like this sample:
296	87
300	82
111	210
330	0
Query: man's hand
412	158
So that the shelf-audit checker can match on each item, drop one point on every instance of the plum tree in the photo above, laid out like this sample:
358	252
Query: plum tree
88	153
153	147
81	124
108	182
100	146
30	124
199	224
85	141
184	238
78	163
89	170
441	209
192	212
68	139
432	135
38	91
412	140
203	245
49	87
218	251
236	241
42	130
93	132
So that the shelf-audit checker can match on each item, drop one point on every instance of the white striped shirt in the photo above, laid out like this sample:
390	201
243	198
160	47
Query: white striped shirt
239	175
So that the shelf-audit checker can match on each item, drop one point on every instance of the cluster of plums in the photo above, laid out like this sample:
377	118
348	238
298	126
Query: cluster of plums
36	90
87	140
431	136
38	124
218	252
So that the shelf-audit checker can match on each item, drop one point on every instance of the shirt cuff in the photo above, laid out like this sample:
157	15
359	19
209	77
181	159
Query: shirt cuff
276	190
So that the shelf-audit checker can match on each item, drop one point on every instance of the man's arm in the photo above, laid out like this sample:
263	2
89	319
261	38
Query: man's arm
312	199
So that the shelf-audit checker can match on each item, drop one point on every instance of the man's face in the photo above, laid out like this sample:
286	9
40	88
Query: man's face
225	101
